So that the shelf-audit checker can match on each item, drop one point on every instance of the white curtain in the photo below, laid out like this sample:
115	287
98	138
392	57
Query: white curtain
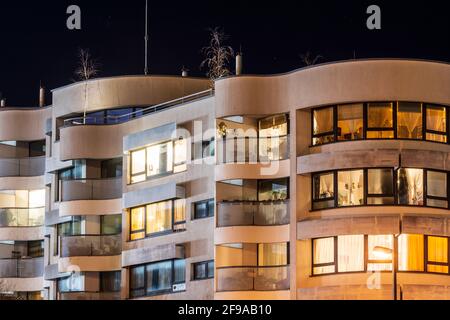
351	253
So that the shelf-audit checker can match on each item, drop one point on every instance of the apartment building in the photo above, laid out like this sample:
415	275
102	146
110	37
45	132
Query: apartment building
328	182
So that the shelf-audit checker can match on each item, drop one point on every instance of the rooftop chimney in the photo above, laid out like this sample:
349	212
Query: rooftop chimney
41	96
239	64
184	72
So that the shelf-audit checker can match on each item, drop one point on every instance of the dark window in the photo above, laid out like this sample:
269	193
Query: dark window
110	281
111	224
437	189
111	168
203	270
35	249
37	148
204	209
380	186
156	278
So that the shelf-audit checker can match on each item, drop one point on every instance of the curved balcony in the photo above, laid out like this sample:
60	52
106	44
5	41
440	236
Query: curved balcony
91	189
89	296
22	268
21	217
252	149
247	213
91	246
22	167
253	278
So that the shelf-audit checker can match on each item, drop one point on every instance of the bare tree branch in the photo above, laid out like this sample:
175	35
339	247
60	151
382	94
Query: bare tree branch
308	58
87	66
217	55
87	69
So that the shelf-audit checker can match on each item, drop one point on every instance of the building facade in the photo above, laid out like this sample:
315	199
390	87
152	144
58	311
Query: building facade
329	182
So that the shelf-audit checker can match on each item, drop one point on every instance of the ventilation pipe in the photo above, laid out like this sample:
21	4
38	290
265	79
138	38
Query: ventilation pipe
41	96
184	72
239	64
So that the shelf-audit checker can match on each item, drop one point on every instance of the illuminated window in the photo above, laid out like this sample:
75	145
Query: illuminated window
409	120
159	159
137	166
273	190
437	249
350	188
379	259
323	126
137	223
350	253
410	252
380	186
273	254
436	123
350	122
273	140
179	214
159	217
380	123
180	155
410	187
437	189
324	256
323	191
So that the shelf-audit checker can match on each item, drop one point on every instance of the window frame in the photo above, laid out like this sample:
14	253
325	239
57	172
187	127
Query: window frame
204	264
131	175
366	195
394	129
426	131
209	214
425	186
324	134
156	234
157	292
367	261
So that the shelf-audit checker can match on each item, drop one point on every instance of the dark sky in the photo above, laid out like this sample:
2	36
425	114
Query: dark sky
36	45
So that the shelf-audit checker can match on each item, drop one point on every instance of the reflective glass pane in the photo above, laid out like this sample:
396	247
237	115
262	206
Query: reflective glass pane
350	122
410	187
409	120
350	188
380	181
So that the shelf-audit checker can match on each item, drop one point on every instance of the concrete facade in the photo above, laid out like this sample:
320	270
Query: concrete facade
263	226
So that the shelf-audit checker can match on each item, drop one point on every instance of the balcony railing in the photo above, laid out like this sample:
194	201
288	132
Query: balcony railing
89	296
253	278
21	217
247	213
90	189
91	245
22	268
23	167
252	149
112	119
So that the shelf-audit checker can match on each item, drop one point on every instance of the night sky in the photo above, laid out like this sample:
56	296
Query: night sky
36	45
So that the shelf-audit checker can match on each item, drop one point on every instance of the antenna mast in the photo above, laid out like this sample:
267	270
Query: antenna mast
146	38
